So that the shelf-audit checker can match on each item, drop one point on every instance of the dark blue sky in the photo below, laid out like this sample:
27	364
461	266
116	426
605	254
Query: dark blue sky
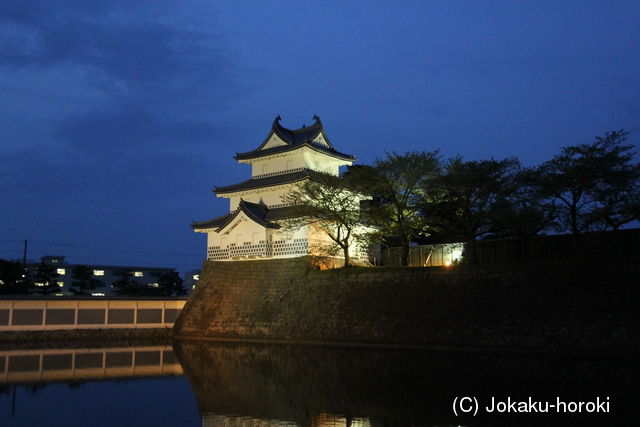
117	118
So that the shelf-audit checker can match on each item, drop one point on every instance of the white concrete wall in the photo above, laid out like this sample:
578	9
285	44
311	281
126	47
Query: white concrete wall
23	315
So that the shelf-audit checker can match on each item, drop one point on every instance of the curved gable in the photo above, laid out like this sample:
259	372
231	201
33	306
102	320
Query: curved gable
321	139
233	222
273	141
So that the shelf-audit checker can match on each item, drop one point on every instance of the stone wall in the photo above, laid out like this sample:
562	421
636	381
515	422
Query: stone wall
546	307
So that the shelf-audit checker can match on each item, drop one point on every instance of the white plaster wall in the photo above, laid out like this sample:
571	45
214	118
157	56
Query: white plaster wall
321	162
304	157
290	234
279	163
290	237
241	230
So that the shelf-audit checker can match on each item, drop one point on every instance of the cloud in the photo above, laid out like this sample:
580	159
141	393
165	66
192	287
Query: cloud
156	80
93	91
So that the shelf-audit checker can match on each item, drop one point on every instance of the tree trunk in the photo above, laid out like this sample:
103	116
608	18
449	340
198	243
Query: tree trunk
347	258
574	220
405	254
573	212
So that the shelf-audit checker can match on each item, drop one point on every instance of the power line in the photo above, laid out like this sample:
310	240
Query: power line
122	263
66	245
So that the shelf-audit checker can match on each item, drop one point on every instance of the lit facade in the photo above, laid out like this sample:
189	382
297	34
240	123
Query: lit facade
253	228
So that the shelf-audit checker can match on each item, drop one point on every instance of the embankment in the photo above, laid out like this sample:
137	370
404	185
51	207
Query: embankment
547	307
95	338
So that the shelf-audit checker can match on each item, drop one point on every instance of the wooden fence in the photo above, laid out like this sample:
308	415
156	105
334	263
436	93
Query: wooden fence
425	255
597	247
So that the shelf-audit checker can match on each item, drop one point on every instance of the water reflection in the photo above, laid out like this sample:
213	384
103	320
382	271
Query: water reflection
116	386
242	385
45	365
282	385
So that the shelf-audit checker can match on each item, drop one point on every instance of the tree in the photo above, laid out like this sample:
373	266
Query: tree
45	279
522	212
13	278
617	194
619	202
331	205
593	183
170	284
398	184
83	280
126	285
468	201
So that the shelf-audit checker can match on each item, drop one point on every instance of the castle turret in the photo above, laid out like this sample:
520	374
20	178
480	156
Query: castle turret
252	227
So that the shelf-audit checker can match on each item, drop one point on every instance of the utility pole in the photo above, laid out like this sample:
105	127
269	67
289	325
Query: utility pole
24	255
24	262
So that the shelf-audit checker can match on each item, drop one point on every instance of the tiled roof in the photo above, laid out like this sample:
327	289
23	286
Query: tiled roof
269	181
281	213
257	212
295	139
212	223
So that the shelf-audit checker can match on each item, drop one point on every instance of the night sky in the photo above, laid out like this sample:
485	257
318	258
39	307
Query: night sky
117	118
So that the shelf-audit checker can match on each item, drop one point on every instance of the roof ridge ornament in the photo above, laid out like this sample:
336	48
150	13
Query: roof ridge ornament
317	119
276	121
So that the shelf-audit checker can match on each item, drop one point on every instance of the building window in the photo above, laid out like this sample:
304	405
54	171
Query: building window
98	272
61	271
137	274
61	284
196	277
153	285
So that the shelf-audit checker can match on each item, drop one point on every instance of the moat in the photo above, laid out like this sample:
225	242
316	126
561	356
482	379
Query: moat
226	384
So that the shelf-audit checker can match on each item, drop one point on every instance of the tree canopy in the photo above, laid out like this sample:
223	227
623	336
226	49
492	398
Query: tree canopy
398	185
171	284
83	280
595	185
414	195
126	285
44	279
470	198
331	205
13	279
